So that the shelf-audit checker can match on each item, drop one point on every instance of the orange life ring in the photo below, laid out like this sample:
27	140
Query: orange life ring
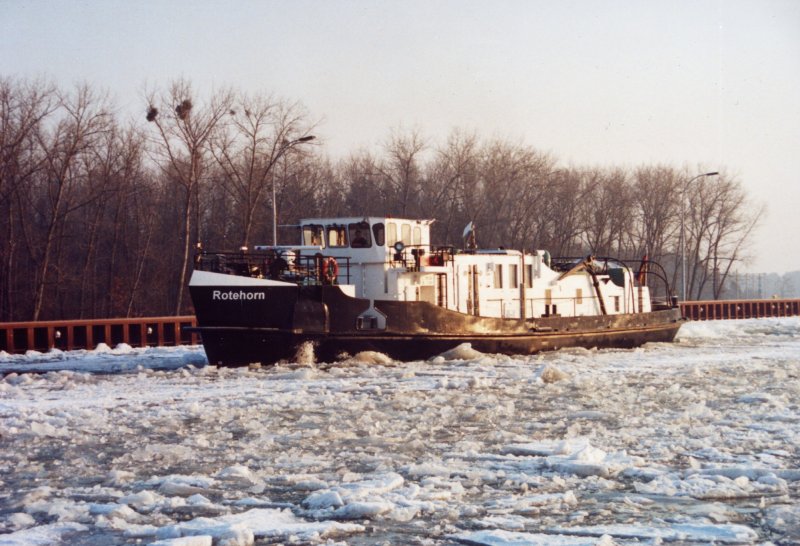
330	271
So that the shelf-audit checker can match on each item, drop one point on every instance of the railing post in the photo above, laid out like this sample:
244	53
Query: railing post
10	340
195	339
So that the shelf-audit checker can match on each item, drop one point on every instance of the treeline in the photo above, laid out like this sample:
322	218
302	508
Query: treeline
100	214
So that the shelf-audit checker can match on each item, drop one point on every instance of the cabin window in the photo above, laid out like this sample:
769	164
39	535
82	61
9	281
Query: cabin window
529	275
616	304
337	236
391	233
579	296
498	276
405	234
359	235
314	235
417	235
513	276
380	234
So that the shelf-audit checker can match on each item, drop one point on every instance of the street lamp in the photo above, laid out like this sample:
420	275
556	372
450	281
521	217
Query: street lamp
683	230
285	146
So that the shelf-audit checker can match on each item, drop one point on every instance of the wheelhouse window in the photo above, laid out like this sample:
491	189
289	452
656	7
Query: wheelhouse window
359	235
337	236
417	236
380	234
405	234
498	276
314	235
391	233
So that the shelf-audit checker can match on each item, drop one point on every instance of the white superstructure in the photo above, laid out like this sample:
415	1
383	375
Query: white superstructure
392	259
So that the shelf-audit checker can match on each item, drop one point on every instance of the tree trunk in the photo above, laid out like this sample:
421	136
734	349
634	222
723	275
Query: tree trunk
187	221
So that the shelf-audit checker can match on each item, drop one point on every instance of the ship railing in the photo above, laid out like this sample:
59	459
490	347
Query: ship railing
554	306
414	257
280	264
646	273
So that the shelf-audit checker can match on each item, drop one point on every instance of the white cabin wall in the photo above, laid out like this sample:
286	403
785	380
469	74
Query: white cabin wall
549	290
546	293
638	297
374	277
494	301
646	306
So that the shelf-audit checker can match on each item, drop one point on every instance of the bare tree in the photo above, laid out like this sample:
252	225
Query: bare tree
720	222
331	189
117	173
512	179
361	177
561	226
24	108
84	119
655	193
605	209
261	132
454	169
467	160
137	240
182	135
401	171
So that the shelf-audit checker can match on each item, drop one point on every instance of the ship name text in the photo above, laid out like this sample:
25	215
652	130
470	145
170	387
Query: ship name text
236	295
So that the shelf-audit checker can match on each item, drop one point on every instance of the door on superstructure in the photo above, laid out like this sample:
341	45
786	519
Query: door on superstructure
441	289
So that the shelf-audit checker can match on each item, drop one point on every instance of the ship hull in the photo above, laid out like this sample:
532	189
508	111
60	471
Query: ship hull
271	324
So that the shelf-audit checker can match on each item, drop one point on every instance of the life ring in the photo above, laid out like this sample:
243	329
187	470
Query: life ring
330	270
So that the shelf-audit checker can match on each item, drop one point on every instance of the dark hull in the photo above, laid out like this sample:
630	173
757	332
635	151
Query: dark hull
272	329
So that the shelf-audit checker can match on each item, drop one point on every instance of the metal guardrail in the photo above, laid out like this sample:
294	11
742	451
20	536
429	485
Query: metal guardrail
739	309
67	335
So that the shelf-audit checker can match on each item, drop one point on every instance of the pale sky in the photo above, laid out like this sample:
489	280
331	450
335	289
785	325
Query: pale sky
706	84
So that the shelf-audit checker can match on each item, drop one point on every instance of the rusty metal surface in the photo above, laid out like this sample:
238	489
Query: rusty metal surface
740	309
19	337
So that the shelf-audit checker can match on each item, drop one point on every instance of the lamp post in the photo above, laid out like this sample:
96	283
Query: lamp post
683	230
285	146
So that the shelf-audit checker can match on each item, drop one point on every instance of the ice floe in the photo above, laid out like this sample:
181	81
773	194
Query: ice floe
694	442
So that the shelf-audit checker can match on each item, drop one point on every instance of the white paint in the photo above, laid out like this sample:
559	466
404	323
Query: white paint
208	278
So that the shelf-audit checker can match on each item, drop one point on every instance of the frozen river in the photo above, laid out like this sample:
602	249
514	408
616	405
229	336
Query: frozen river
696	442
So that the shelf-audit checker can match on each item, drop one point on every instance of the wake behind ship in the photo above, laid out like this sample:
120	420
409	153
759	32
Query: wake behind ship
377	284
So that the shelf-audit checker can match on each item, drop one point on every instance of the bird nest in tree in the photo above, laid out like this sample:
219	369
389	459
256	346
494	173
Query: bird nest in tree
183	109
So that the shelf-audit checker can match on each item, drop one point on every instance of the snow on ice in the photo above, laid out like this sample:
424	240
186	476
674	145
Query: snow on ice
696	442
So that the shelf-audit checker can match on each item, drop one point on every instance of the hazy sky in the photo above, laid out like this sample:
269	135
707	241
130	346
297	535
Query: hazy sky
705	84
